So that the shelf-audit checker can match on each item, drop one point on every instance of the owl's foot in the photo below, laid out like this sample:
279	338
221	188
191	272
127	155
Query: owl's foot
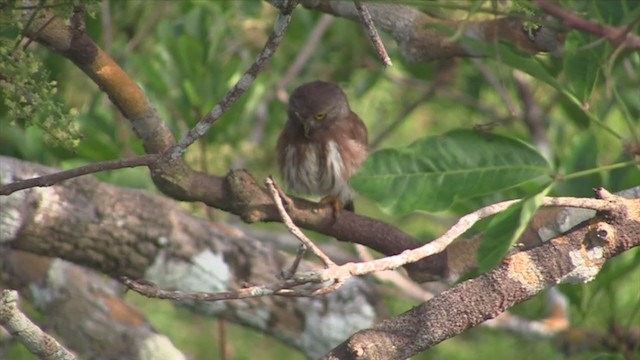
336	205
287	202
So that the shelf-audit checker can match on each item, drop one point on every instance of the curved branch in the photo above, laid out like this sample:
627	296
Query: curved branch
57	177
30	335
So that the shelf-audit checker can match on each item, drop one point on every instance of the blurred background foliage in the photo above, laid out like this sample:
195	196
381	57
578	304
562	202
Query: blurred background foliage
187	54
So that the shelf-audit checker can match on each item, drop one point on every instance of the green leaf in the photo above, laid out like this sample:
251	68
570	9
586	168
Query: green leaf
506	228
581	154
582	64
434	172
191	93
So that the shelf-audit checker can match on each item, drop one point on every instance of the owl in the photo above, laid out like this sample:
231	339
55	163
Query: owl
322	144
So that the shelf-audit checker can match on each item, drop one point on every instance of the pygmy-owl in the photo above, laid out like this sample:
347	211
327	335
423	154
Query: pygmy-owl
322	144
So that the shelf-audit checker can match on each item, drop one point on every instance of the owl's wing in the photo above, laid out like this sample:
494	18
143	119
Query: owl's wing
358	130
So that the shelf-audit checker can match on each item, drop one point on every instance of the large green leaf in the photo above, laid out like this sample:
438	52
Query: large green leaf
434	172
505	228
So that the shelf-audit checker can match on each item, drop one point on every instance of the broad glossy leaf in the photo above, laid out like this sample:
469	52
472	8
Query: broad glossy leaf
505	228
434	172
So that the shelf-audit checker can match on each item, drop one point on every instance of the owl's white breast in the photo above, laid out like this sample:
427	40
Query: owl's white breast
309	175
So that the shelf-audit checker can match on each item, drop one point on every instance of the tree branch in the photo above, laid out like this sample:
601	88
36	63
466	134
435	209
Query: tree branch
52	179
30	335
422	38
618	37
370	28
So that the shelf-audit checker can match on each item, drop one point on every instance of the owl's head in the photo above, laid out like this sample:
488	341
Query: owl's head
317	105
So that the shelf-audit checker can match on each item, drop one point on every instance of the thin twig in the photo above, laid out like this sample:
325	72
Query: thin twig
286	220
304	55
270	47
464	224
287	274
39	343
30	38
52	179
615	35
107	26
151	290
497	85
408	287
302	59
370	28
28	23
428	93
147	26
532	114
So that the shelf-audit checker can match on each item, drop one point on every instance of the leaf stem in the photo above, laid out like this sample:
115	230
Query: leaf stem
578	174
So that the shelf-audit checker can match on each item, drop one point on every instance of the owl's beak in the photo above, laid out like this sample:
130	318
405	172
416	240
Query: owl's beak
306	128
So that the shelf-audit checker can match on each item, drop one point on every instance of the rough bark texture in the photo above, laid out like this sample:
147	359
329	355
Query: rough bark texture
129	232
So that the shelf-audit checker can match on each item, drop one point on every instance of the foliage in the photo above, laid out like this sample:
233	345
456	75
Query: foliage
435	171
187	54
28	96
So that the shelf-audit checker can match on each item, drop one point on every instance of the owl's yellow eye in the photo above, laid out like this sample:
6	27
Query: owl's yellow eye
319	117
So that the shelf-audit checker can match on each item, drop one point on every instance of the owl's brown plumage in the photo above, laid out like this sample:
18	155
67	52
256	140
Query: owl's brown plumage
322	144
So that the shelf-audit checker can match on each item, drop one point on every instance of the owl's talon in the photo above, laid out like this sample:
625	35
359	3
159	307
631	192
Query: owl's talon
334	202
287	202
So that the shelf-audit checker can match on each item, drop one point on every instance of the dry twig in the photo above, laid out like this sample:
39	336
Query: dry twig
370	28
286	220
29	334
